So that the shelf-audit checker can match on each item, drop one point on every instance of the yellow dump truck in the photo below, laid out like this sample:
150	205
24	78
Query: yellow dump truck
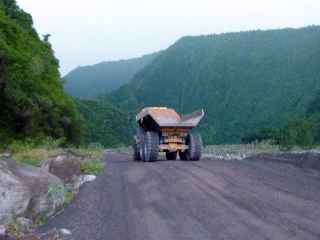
162	129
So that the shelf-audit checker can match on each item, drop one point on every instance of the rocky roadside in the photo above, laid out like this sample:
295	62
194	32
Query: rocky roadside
30	195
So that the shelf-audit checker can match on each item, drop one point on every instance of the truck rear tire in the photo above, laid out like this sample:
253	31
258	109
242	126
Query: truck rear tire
194	143
136	152
171	155
150	147
138	144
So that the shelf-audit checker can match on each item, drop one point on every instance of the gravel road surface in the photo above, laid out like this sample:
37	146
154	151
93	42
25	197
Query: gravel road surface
209	199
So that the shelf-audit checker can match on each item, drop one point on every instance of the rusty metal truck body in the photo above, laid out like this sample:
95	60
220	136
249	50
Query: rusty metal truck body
162	129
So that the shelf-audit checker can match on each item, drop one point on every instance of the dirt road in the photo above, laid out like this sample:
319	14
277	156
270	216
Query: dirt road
210	199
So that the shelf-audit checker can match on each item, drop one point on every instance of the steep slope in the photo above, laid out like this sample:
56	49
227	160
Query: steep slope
103	123
104	77
313	113
33	103
244	81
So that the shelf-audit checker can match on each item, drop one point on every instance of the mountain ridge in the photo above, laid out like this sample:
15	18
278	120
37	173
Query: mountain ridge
104	76
244	80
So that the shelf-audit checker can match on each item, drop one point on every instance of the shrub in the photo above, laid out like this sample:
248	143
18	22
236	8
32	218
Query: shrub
297	133
91	167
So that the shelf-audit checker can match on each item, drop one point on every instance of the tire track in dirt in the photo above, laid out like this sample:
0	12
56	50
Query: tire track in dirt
263	203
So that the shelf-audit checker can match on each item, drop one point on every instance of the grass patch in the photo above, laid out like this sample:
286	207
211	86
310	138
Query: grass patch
94	164
35	156
90	153
34	151
68	197
13	229
91	167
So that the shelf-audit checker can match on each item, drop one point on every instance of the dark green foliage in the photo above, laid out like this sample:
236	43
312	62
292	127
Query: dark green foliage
104	77
261	135
297	133
244	81
32	99
313	113
314	106
303	131
91	167
103	123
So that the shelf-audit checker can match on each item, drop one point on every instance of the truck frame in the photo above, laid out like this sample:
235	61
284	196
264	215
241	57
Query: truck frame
162	129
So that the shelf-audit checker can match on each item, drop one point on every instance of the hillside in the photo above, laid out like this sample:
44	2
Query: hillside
103	123
244	81
104	77
33	103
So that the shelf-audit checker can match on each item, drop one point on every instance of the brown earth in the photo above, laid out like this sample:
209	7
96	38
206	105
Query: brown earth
268	196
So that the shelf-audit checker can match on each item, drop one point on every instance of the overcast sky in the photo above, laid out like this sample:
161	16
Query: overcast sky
88	32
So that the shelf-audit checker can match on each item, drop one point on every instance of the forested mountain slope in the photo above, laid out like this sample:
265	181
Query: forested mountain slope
244	81
103	123
33	103
92	81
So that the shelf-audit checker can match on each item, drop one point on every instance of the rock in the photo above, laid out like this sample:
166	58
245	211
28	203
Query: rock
62	234
53	234
65	166
4	235
14	193
86	178
25	192
65	231
82	180
3	230
29	237
49	194
65	234
9	237
24	224
5	155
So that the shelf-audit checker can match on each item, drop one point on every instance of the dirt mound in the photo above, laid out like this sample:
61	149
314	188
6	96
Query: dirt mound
309	160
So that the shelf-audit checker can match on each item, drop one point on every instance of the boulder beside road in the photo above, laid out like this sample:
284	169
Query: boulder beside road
29	195
24	191
65	166
54	234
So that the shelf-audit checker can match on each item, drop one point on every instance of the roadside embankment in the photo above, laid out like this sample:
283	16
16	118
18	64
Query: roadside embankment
36	184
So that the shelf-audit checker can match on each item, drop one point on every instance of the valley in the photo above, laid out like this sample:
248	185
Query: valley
244	81
78	163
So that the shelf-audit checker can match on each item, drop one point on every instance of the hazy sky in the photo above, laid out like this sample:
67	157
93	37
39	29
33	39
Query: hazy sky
88	32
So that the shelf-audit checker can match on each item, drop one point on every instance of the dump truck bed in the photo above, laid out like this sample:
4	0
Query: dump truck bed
167	117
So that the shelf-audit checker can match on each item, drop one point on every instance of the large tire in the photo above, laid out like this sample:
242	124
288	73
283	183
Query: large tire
171	155
193	153
151	147
138	144
136	152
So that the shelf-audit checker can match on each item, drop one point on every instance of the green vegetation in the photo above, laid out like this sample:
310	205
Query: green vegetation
69	195
33	103
91	167
103	123
254	86
104	77
300	131
31	152
313	114
245	81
